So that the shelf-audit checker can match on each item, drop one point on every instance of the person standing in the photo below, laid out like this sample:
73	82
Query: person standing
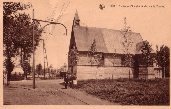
66	80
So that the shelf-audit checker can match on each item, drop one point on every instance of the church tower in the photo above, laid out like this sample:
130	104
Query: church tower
76	21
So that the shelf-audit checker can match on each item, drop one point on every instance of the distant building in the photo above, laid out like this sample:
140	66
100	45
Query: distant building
63	70
17	66
108	46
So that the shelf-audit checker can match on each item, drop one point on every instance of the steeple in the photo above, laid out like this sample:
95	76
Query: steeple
76	21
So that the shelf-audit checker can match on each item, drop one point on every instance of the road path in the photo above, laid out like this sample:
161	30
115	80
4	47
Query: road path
47	92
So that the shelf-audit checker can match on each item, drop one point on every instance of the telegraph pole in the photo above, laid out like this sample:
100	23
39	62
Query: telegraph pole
44	58
33	55
49	23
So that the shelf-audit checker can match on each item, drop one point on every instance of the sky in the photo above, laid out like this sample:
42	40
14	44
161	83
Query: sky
152	23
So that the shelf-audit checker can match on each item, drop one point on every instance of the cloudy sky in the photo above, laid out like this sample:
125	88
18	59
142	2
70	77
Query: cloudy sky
152	23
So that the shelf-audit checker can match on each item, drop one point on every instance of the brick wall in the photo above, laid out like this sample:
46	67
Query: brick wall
92	72
84	70
110	61
83	60
151	73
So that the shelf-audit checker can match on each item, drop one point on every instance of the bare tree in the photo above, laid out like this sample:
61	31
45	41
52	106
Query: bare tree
127	44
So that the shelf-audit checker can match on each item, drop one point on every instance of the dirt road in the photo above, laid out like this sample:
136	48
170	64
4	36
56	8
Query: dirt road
47	92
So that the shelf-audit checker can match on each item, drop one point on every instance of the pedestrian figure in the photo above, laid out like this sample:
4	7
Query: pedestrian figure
74	81
70	80
66	80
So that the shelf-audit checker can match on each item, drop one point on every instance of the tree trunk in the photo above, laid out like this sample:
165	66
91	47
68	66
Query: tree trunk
44	70
147	73
72	71
129	74
136	68
23	58
9	68
8	78
163	72
26	76
49	73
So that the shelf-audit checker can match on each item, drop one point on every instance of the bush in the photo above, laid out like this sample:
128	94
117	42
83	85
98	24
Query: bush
15	77
125	91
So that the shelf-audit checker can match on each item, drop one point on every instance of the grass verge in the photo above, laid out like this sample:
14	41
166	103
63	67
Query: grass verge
129	92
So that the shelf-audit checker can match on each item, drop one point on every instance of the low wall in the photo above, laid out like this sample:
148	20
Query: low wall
151	73
94	72
150	70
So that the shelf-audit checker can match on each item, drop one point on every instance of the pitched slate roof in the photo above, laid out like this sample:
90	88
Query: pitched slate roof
107	40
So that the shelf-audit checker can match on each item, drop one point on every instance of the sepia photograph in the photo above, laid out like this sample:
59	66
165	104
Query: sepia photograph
86	52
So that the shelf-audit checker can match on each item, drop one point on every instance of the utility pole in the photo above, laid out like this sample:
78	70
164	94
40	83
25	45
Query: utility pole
33	56
49	23
44	58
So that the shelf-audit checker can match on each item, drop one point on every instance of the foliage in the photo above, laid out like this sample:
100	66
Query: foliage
145	58
73	55
73	59
129	92
163	59
95	58
9	66
127	43
39	68
92	52
26	67
146	53
93	49
17	31
9	49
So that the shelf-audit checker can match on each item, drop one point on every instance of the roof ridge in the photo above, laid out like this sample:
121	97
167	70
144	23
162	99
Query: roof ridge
107	29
